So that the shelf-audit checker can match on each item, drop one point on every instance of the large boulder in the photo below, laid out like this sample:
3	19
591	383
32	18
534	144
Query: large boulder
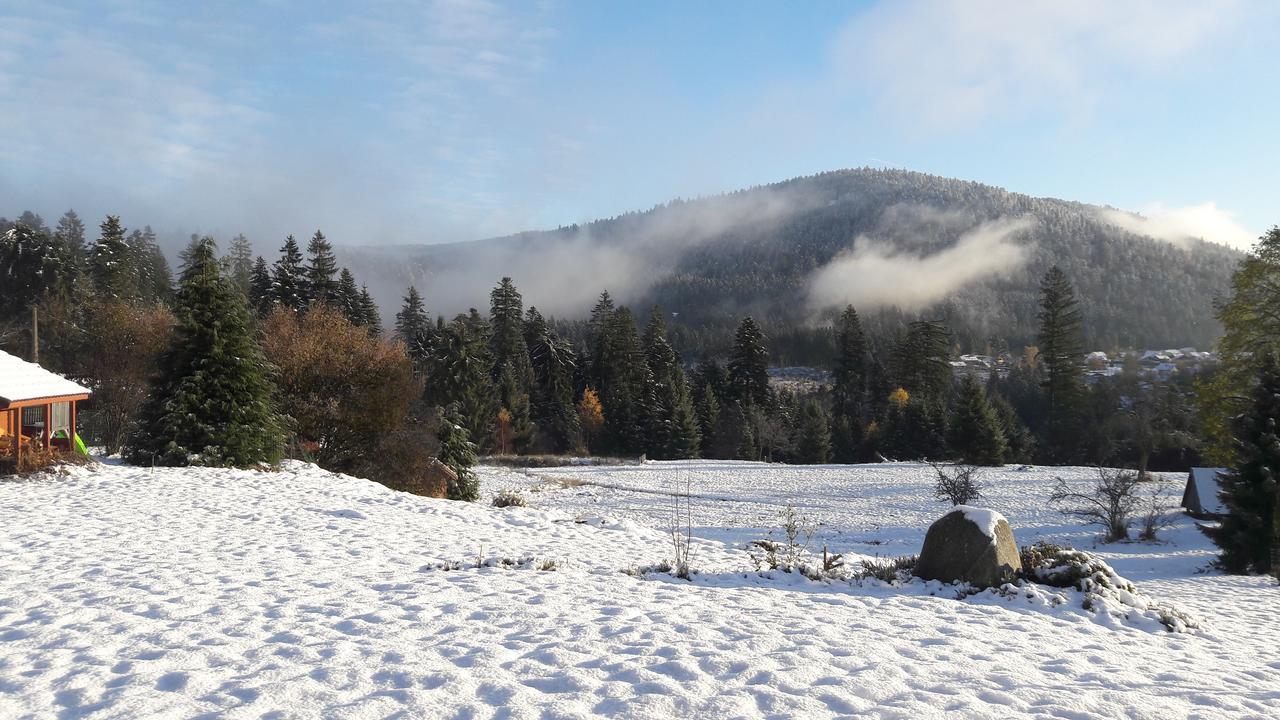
972	545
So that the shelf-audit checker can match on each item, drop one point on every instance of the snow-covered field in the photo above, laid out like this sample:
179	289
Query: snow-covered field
129	592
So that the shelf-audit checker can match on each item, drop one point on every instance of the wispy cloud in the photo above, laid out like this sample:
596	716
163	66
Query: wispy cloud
877	273
1177	225
939	64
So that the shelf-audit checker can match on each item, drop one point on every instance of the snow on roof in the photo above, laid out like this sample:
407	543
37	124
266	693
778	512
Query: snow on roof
1206	483
21	380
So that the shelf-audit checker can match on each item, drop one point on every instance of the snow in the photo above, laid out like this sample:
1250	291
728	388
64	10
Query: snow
139	592
1206	484
986	520
21	380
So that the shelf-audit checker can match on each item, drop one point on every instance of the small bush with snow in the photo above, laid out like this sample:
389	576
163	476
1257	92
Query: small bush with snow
509	498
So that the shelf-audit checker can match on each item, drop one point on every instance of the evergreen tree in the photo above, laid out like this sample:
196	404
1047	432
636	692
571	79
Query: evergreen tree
597	326
813	435
289	278
849	387
1249	535
458	453
34	266
624	385
260	295
109	262
512	370
749	365
456	369
211	402
70	234
321	271
707	406
975	434
1062	356
733	438
673	429
1251	328
554	364
1017	437
921	361
347	298
152	279
240	264
412	322
369	316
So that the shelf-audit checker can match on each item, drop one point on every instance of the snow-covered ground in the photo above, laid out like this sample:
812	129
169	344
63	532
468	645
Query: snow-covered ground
130	592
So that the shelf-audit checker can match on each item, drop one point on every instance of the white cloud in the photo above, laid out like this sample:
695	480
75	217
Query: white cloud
874	274
1177	225
942	63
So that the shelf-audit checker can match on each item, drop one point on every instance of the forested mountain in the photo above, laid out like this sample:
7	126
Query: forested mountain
763	251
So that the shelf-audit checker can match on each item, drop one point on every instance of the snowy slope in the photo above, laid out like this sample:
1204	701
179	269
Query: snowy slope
128	592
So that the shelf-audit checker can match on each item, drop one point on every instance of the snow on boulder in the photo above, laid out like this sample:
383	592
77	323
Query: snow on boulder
972	545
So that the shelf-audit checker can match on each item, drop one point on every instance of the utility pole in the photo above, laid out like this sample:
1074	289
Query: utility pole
35	335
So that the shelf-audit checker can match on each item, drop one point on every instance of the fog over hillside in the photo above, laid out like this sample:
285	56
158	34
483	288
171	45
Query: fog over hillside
894	243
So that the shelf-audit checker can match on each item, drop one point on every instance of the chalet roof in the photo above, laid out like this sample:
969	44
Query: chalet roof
21	380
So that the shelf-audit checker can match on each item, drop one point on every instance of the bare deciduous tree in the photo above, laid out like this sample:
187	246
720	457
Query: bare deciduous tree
1111	504
959	484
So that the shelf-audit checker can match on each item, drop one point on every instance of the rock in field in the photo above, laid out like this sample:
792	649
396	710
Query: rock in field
969	544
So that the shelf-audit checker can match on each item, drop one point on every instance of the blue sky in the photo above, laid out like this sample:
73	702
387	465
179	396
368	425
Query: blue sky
460	119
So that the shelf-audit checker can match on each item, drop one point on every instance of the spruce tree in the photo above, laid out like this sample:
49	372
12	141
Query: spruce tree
976	436
1249	535
456	369
921	361
849	387
321	271
707	407
70	234
1017	437
512	371
554	365
347	298
1062	357
625	388
34	266
211	402
813	435
458	453
369	316
412	321
673	429
260	296
749	365
110	265
240	264
596	328
288	277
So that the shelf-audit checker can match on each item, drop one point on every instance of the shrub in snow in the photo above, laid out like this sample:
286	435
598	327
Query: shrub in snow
1110	504
792	551
1102	588
959	484
889	570
1159	515
509	498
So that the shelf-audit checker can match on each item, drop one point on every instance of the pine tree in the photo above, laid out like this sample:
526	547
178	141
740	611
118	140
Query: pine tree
707	406
458	453
288	277
34	266
749	365
975	434
512	370
813	441
733	438
597	326
321	271
456	372
260	295
1062	356
70	234
369	316
347	298
1249	535
240	264
211	402
109	262
1017	437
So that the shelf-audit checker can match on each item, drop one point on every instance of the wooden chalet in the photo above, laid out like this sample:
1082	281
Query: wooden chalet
37	409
